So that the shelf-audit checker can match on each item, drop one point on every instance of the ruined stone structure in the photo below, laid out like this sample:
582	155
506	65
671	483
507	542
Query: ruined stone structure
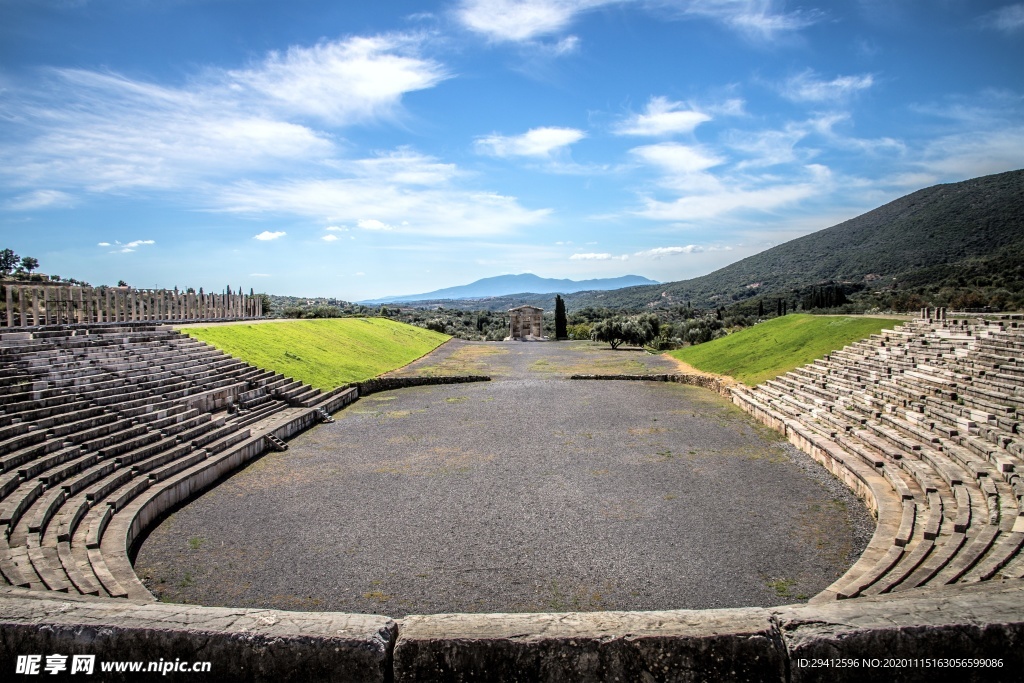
105	427
525	322
32	305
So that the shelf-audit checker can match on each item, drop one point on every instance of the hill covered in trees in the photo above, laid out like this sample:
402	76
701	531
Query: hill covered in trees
966	238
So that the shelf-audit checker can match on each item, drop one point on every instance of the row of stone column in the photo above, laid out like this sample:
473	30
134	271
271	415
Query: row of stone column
934	313
28	305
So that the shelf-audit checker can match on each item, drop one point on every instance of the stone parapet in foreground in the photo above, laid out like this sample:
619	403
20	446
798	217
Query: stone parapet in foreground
910	636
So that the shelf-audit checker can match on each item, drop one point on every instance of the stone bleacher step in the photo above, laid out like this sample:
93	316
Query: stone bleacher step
47	565
18	458
84	582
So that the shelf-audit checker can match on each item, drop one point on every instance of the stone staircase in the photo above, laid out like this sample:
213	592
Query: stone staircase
924	422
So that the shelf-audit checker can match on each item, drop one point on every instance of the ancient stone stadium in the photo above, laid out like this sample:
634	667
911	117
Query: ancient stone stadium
109	418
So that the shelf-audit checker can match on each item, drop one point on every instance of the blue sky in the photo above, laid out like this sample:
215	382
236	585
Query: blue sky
359	150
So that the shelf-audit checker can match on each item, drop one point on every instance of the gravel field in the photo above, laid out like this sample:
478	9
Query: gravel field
527	493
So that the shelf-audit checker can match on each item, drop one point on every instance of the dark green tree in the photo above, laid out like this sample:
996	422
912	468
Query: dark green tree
561	324
8	261
29	263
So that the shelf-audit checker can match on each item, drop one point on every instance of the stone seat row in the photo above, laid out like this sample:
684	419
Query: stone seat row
88	429
899	418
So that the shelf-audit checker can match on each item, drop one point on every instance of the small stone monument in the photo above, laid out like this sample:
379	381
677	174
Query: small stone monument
526	323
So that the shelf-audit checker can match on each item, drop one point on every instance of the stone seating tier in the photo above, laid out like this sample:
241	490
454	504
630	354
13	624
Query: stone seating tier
921	406
93	418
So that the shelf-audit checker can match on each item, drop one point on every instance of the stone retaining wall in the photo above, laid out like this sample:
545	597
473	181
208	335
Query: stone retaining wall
882	638
715	384
372	386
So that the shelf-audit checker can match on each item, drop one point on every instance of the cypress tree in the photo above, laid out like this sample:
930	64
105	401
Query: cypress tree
760	308
561	331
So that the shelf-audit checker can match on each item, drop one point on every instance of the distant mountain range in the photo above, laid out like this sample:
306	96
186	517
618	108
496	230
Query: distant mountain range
503	285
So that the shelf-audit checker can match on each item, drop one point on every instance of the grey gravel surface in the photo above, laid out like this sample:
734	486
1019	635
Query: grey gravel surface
528	493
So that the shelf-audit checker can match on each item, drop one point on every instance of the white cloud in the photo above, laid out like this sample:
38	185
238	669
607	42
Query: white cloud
663	117
126	248
768	147
266	235
102	132
395	194
536	142
341	82
658	252
330	238
675	158
336	228
373	224
807	87
521	20
1008	19
714	204
974	153
526	20
598	257
755	19
259	274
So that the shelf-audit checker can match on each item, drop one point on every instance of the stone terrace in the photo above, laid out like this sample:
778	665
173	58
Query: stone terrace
924	422
102	427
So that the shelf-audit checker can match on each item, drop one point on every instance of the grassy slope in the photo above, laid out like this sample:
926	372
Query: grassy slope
777	346
324	353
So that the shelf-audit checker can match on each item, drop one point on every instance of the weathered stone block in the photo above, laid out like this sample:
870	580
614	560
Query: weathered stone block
682	645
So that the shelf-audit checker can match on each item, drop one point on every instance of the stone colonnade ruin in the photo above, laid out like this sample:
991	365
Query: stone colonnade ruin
33	305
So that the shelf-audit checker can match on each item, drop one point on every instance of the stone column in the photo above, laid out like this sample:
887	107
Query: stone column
9	297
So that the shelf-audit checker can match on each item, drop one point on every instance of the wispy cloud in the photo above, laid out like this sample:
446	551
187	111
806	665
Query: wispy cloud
330	238
525	20
126	248
39	199
521	20
758	20
598	257
267	236
808	87
677	159
1008	19
662	117
536	142
658	252
100	132
340	82
415	196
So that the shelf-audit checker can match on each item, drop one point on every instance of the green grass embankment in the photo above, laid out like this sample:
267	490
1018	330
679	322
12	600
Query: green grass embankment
777	346
324	353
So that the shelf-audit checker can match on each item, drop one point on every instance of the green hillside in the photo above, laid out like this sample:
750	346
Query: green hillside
324	353
926	238
777	346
